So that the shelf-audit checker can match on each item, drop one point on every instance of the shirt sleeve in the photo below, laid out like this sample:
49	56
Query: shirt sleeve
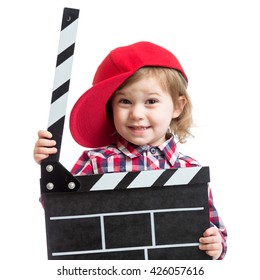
83	165
216	221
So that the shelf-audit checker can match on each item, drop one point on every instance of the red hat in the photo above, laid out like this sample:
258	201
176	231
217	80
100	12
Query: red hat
89	124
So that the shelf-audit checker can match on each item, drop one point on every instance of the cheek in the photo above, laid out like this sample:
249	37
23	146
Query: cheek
169	110
168	107
114	110
172	109
114	114
118	116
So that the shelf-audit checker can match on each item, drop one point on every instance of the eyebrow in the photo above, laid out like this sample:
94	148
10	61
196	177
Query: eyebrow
119	92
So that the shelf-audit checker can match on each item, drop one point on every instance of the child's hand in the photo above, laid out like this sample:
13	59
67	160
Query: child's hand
211	242
44	146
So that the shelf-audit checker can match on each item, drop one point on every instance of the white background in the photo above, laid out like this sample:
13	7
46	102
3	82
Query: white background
217	43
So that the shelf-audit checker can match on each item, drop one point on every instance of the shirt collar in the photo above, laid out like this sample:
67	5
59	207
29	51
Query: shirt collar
129	149
168	149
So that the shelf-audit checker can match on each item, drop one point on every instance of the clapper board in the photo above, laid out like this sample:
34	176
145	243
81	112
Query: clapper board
145	215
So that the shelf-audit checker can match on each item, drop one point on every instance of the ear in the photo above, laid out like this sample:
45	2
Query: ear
178	106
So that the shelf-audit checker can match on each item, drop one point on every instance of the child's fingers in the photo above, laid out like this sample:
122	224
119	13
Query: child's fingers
214	254
39	157
207	240
211	235
210	246
214	250
211	242
45	151
210	231
45	143
44	134
44	146
41	153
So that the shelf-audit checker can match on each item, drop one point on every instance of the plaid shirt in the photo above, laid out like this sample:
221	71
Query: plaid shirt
126	157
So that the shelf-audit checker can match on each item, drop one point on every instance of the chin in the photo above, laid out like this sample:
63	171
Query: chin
137	142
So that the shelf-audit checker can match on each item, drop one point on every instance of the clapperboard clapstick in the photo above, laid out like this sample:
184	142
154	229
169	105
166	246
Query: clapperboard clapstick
62	76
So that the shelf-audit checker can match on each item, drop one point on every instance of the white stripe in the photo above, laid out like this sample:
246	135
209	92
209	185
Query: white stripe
183	176
103	238
145	178
108	181
152	228
68	36
62	73
58	109
55	254
145	254
126	213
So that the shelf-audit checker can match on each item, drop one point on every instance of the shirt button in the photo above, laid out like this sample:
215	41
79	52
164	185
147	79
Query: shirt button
153	150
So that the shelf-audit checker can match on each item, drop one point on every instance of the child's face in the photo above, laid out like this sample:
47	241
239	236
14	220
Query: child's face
143	111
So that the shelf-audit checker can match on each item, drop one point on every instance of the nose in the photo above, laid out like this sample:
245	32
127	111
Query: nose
137	112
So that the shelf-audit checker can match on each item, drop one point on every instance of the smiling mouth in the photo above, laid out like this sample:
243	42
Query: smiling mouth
139	128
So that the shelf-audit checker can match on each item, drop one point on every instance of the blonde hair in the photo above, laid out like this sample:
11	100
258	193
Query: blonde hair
173	81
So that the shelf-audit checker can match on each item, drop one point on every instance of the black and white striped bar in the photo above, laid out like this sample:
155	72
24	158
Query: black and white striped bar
142	179
62	76
157	214
60	178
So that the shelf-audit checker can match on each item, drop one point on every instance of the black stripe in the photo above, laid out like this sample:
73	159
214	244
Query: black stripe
164	177
65	55
127	180
58	92
87	182
201	177
57	129
69	16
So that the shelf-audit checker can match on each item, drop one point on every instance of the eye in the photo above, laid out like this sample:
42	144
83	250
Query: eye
124	101
151	101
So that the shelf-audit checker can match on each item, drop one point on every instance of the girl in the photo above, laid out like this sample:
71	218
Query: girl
135	112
